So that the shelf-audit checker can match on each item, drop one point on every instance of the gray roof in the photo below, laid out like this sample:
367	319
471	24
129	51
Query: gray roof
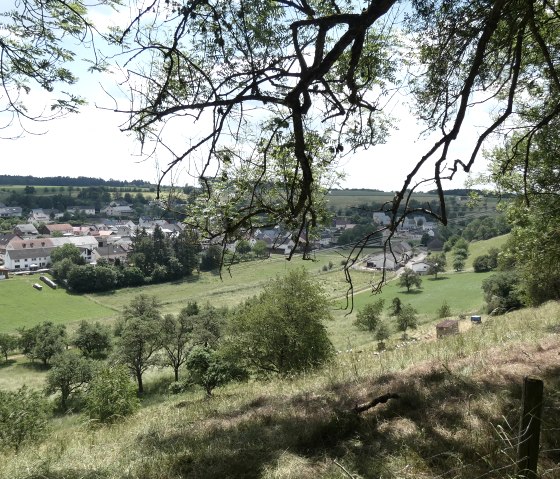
26	228
29	253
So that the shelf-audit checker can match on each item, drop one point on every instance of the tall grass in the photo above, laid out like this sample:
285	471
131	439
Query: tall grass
455	418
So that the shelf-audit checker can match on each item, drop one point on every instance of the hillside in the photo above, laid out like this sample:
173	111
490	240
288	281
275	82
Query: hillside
456	417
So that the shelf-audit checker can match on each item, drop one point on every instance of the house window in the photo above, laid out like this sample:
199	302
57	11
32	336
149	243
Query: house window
33	259
17	266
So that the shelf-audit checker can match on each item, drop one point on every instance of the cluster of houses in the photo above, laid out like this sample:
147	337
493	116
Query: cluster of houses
27	248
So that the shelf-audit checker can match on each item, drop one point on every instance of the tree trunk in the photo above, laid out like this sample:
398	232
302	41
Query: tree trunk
139	381
176	370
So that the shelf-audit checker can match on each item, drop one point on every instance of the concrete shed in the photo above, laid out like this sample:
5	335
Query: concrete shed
447	328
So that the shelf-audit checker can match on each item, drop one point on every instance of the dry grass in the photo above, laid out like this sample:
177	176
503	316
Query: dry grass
456	418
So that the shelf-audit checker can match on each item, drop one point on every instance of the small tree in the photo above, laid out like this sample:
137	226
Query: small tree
260	249
8	343
282	331
24	416
369	316
458	263
209	370
396	306
139	338
111	395
382	334
406	319
243	247
444	310
43	341
409	278
70	373
93	339
176	336
436	264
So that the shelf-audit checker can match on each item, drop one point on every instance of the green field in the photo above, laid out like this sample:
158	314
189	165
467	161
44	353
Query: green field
21	305
478	248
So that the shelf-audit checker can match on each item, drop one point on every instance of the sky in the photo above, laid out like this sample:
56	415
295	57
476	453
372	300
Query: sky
92	144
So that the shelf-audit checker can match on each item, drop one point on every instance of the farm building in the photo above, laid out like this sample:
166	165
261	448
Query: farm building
447	328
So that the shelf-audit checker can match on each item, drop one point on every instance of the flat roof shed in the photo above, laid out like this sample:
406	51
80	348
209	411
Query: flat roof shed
447	328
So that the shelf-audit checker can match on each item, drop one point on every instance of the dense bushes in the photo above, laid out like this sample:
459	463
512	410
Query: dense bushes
486	262
154	258
24	417
281	330
502	293
111	394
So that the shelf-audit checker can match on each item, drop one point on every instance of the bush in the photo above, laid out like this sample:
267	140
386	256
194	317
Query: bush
502	292
481	264
282	331
24	416
176	387
209	370
444	310
369	316
111	394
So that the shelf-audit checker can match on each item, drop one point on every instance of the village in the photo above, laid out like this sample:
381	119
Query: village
108	237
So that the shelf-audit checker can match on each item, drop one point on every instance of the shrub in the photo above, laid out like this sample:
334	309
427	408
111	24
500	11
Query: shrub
111	394
69	374
369	316
24	416
176	387
209	370
444	310
281	330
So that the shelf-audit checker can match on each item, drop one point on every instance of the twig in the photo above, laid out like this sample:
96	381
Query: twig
351	476
378	400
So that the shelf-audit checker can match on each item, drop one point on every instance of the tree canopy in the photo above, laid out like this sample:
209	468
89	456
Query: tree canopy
282	90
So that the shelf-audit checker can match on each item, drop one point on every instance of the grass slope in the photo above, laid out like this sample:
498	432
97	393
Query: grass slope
478	248
456	417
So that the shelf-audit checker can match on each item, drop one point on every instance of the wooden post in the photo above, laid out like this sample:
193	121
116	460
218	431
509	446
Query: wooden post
530	428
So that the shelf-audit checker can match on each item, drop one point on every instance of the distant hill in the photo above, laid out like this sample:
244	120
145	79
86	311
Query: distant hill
66	181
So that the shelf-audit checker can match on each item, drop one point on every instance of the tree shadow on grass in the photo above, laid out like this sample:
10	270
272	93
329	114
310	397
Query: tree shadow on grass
411	292
6	364
34	366
71	473
441	425
439	278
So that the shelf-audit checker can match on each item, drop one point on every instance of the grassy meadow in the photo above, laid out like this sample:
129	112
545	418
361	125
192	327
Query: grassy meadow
454	415
21	305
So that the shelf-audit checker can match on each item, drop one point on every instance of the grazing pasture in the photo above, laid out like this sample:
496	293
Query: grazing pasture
21	305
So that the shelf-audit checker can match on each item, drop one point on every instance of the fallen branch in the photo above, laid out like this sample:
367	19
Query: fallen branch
378	400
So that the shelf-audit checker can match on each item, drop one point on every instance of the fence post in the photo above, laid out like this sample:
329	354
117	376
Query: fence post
530	428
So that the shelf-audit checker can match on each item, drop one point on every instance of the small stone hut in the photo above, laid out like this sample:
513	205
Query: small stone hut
447	328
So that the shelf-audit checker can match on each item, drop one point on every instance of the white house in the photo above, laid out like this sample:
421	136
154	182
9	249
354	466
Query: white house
421	267
26	254
86	210
381	218
118	208
10	211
